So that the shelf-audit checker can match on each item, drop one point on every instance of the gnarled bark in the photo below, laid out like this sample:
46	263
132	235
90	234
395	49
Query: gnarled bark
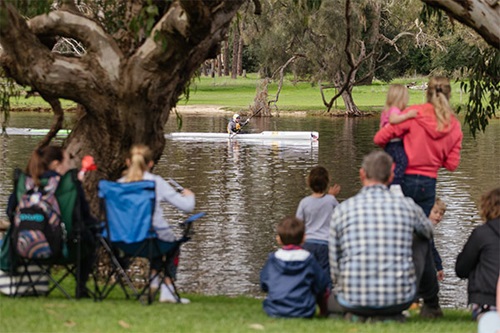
126	98
481	15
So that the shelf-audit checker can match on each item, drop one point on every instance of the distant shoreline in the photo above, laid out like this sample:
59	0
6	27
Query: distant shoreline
207	109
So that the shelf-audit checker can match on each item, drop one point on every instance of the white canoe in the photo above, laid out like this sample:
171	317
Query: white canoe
266	135
287	136
34	131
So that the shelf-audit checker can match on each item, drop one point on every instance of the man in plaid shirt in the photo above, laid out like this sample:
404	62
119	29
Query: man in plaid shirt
371	245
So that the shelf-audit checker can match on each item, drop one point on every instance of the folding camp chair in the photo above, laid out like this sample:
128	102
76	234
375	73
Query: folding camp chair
128	209
32	276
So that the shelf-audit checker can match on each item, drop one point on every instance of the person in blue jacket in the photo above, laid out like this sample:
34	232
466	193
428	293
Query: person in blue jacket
292	278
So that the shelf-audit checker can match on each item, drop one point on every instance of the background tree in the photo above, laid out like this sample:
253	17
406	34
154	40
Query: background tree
131	75
469	59
339	43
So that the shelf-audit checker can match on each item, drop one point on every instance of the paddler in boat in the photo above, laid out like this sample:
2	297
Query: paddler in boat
234	126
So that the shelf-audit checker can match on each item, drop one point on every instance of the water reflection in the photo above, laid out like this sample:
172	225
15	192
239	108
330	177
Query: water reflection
245	188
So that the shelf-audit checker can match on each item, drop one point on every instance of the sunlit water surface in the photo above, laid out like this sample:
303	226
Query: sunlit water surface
246	188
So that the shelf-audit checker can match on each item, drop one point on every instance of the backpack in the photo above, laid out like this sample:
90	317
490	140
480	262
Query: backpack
38	232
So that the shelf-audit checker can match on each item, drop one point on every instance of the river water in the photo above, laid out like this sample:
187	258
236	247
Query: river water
246	188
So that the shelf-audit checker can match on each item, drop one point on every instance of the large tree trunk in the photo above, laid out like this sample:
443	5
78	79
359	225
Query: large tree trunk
219	65
240	57
234	60
125	98
480	15
226	57
372	39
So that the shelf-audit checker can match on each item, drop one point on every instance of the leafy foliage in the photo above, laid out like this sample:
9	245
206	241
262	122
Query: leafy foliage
476	65
30	8
8	89
483	88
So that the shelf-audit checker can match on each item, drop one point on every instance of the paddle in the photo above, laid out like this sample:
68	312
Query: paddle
232	135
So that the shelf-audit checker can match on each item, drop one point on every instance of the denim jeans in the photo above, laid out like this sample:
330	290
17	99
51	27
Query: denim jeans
320	253
422	190
397	152
338	305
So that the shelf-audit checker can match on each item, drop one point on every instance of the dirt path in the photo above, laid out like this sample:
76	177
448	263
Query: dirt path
201	109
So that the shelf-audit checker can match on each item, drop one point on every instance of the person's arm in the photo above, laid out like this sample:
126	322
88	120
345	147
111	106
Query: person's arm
452	160
395	118
469	257
184	201
385	134
300	211
423	226
437	261
334	190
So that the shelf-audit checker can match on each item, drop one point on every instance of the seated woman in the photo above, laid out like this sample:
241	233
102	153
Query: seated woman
139	164
479	261
54	161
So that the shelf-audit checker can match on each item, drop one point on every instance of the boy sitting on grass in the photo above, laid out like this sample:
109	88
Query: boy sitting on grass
293	279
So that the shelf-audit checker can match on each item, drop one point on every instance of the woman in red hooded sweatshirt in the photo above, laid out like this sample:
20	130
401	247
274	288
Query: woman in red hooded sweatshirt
433	139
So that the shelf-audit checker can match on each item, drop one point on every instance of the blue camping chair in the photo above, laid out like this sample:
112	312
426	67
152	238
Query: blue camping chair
128	209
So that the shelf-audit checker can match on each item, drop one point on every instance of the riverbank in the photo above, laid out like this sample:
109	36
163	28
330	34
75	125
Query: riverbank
203	109
225	95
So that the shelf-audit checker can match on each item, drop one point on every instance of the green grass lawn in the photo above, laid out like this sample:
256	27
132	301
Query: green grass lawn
302	96
239	94
204	314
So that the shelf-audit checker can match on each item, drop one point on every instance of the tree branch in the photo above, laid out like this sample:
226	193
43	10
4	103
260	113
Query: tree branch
93	37
392	42
281	70
57	120
480	15
349	56
53	74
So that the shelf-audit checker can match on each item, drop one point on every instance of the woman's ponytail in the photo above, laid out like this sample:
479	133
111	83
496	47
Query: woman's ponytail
438	94
140	156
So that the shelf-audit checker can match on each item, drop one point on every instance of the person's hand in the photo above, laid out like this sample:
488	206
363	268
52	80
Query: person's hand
440	275
411	114
334	190
187	192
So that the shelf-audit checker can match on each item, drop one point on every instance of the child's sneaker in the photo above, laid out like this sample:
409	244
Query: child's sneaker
167	295
154	284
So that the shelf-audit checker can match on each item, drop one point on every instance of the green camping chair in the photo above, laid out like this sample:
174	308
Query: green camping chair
29	276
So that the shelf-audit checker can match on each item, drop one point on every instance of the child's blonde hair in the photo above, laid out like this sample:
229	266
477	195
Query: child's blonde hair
490	205
140	156
396	96
438	94
439	204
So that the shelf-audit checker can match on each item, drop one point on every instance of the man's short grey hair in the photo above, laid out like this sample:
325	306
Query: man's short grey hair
378	166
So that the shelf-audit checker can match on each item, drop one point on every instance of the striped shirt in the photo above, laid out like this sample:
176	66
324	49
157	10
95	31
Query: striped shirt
371	247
